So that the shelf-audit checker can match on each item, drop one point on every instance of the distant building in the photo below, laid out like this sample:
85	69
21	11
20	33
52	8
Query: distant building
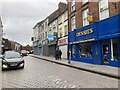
46	33
1	36
27	48
45	37
63	33
54	27
11	45
37	41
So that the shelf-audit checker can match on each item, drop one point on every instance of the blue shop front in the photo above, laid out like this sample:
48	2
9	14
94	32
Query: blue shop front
98	43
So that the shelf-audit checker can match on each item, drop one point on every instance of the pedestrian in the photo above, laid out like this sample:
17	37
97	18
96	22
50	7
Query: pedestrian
56	54
60	53
69	56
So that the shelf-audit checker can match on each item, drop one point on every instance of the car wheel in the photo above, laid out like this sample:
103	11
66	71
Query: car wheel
3	69
22	67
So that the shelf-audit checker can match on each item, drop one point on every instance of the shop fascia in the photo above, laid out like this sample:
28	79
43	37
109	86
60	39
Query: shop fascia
83	33
63	41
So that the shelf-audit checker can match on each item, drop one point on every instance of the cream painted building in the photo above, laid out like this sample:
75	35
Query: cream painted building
63	33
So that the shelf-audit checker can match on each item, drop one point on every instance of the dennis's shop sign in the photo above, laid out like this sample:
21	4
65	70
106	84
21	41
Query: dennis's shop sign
85	32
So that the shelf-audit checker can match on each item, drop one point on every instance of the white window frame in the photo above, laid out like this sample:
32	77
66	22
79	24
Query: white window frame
65	30
72	5
65	15
85	17
103	9
60	20
73	23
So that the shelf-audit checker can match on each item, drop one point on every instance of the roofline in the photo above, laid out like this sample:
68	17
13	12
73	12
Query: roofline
39	23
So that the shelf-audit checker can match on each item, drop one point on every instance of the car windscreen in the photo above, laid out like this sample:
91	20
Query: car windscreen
10	55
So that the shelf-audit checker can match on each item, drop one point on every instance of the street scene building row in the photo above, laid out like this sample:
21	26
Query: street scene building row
88	30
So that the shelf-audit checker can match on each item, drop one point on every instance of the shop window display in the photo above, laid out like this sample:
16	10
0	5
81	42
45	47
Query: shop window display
105	49
85	50
116	47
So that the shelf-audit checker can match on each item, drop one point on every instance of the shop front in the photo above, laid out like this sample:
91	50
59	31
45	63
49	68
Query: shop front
52	48
35	48
97	43
63	45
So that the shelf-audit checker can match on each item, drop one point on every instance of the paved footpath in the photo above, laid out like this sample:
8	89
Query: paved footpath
98	69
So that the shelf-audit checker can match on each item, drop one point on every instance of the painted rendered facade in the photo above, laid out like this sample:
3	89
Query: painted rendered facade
63	33
1	35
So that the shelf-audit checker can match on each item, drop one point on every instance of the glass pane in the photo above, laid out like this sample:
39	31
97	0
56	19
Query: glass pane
103	3
116	47
85	50
105	49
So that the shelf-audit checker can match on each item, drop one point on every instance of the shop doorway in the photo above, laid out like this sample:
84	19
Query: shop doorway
106	52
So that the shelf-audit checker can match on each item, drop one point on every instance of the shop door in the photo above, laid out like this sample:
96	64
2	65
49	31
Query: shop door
106	52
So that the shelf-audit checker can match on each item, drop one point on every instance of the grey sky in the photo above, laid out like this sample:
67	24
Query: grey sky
19	17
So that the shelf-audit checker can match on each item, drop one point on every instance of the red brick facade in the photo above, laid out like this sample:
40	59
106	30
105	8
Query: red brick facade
114	9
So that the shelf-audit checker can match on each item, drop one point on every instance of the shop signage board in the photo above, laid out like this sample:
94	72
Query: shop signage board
63	41
85	32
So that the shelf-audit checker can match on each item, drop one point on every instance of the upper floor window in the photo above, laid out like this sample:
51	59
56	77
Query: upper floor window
60	20
46	34
42	26
85	17
43	35
65	15
72	5
46	24
50	28
53	25
61	32
84	1
73	23
66	30
103	9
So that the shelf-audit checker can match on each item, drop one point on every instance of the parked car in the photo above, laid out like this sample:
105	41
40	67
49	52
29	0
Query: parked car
12	60
24	52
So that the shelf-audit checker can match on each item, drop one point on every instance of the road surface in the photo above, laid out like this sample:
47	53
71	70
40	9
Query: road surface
43	74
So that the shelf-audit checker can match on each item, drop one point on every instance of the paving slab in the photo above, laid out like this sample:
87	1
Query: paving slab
98	69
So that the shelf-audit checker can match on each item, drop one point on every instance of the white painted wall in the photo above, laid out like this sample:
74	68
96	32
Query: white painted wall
64	51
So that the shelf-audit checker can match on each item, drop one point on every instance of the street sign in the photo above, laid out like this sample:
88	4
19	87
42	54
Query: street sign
50	37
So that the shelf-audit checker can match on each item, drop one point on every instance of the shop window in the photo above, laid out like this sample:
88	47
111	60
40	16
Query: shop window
105	49
73	51
116	47
85	50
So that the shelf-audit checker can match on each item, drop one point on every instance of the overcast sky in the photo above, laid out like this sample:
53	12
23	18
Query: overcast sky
19	17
